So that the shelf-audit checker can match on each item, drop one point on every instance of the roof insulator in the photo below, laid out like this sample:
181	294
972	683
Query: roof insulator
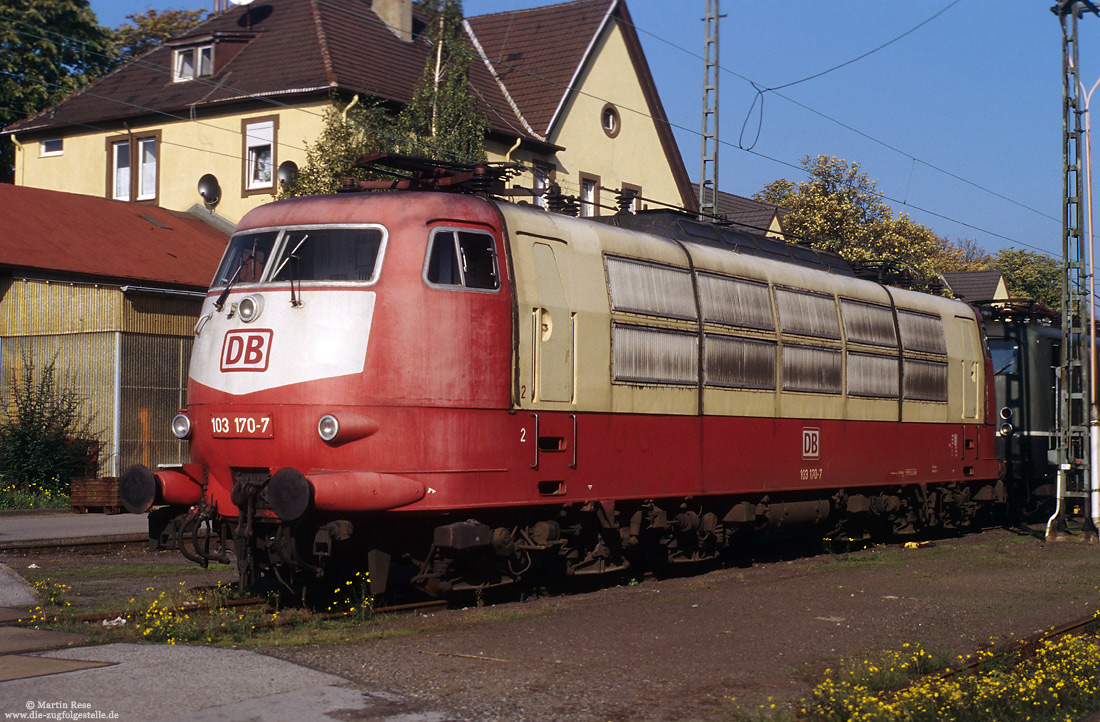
625	201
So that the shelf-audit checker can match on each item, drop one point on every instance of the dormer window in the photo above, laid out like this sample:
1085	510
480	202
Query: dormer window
193	62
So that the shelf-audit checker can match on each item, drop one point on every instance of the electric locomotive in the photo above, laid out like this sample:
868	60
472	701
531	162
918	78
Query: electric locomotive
456	391
1025	346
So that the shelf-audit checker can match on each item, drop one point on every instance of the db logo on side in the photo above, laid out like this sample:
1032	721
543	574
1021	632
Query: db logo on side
246	350
811	443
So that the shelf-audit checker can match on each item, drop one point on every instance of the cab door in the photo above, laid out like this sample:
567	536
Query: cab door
552	331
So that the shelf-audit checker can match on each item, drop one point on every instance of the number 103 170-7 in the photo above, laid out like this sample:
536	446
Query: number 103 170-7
243	426
811	474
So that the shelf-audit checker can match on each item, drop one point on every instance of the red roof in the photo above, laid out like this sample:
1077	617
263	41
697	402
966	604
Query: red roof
74	235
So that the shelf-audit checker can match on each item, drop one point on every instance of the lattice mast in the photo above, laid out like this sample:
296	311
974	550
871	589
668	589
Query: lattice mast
1071	451
708	175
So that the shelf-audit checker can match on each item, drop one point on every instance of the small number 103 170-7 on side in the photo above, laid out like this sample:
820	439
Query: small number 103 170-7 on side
242	426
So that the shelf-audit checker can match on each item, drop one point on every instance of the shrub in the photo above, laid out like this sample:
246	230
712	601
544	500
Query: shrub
45	437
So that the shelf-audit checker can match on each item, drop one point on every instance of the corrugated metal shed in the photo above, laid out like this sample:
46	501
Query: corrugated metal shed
109	293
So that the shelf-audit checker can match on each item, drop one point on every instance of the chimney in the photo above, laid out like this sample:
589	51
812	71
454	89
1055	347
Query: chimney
397	15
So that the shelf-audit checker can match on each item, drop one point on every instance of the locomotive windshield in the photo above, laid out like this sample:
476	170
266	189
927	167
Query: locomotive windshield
329	254
302	254
245	258
1004	352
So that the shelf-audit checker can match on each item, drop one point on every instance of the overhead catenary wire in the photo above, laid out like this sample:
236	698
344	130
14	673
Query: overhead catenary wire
774	90
369	17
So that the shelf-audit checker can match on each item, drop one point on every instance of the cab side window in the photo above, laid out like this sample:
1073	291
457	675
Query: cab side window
462	258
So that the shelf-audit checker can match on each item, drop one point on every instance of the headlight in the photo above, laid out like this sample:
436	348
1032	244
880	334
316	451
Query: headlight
328	427
250	308
181	426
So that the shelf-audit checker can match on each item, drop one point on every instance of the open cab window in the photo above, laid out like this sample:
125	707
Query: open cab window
462	258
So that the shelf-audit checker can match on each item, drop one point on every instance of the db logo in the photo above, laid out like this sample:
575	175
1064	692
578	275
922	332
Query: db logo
246	350
811	443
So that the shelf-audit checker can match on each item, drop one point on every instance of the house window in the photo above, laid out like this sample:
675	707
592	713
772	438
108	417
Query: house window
53	146
191	63
132	167
636	193
147	169
590	195
259	154
544	174
609	119
120	155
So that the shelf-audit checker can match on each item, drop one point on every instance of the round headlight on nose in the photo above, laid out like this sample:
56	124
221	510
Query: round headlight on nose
328	427
181	426
250	308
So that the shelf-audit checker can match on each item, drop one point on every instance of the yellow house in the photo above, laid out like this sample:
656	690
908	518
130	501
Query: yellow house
219	117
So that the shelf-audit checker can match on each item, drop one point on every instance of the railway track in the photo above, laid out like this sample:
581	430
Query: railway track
1027	645
256	603
84	544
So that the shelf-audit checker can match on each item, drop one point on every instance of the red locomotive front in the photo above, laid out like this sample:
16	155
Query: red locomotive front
352	351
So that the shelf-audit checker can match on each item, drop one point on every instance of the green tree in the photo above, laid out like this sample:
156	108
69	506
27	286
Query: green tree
1029	275
48	49
963	255
838	208
145	31
349	132
442	120
45	437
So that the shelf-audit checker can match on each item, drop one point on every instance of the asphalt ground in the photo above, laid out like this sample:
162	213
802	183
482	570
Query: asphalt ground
56	527
55	675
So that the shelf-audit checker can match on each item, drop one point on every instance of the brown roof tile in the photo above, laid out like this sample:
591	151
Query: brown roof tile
753	215
293	47
974	286
533	55
75	235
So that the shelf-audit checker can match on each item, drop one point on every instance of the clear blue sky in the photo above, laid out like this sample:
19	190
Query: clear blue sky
975	92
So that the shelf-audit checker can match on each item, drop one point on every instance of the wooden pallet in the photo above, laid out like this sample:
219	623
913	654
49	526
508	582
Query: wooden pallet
100	494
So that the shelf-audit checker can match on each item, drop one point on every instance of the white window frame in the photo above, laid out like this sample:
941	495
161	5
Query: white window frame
637	194
590	195
133	172
147	153
120	184
543	177
202	63
43	152
259	154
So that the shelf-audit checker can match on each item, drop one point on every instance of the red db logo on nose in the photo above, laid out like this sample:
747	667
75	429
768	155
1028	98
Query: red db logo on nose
246	350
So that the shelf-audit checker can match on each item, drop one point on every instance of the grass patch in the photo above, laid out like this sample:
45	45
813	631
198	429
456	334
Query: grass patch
31	497
1057	680
181	614
114	571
